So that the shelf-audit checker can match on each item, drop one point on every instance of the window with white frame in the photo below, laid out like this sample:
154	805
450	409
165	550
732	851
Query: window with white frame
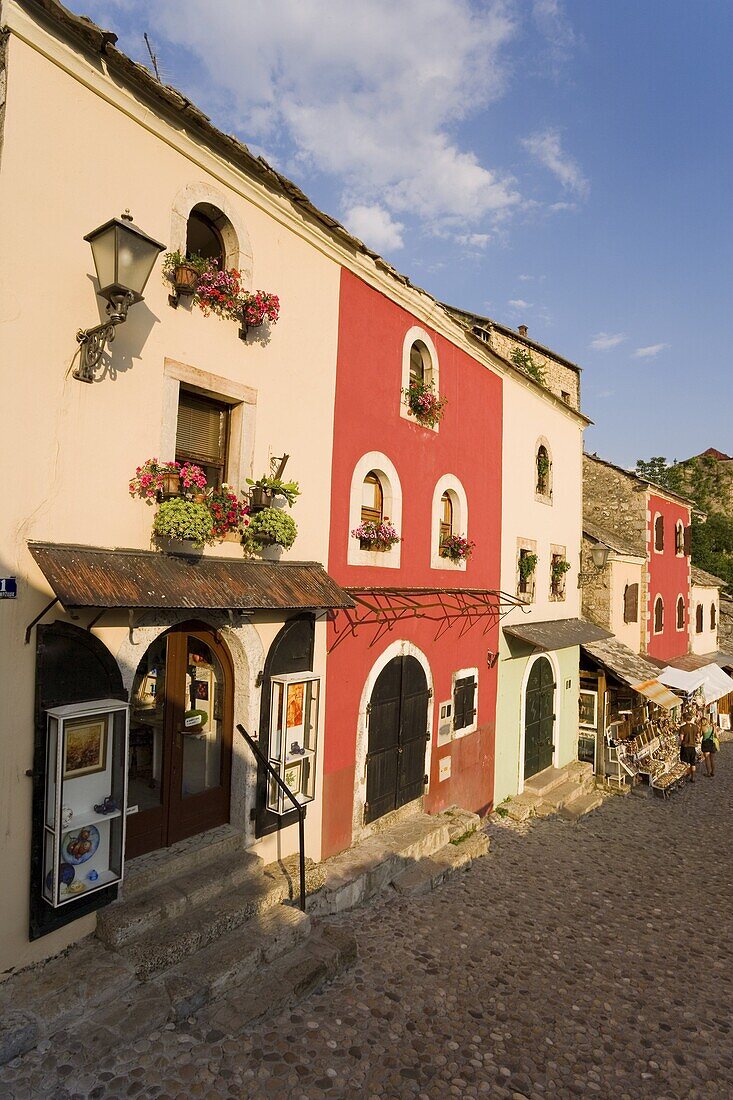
420	366
449	516
588	709
465	701
679	538
375	498
680	613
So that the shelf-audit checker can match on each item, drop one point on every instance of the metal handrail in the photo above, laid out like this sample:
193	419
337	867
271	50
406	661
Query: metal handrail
286	790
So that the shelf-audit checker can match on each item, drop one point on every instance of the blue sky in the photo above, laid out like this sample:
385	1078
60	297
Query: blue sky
565	164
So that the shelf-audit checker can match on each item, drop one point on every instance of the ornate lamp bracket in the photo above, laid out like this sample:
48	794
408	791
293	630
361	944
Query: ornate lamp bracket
93	341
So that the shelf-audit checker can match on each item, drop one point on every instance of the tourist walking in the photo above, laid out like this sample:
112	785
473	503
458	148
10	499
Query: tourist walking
688	745
709	745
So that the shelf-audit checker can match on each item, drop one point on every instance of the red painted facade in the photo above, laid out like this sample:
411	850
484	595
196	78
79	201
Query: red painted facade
468	445
669	577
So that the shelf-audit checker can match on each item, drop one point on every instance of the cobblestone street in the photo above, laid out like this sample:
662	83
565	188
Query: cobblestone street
576	958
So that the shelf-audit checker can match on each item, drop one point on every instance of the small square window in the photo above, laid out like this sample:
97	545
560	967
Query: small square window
464	703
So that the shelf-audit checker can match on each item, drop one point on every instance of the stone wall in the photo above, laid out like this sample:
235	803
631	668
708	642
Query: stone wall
611	500
559	378
596	589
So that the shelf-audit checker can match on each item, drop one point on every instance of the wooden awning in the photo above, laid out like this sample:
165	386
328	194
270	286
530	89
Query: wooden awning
91	576
557	633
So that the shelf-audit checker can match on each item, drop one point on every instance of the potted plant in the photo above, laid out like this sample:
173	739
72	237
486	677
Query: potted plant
270	527
376	536
154	480
227	511
258	306
558	569
456	548
219	291
192	481
424	403
527	566
185	525
543	470
265	489
183	271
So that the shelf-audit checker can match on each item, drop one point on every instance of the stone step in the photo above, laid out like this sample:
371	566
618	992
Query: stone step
326	953
181	858
545	781
234	958
588	801
131	917
161	947
430	872
562	795
580	770
523	806
359	873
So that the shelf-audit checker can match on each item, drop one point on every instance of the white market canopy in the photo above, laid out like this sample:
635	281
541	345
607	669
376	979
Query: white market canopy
710	679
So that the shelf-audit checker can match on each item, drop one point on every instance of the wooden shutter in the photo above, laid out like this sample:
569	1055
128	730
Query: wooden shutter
464	702
631	603
688	541
202	429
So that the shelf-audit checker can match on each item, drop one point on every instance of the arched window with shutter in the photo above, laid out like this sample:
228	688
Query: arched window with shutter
659	533
631	603
446	517
202	434
680	613
372	499
658	615
679	538
699	619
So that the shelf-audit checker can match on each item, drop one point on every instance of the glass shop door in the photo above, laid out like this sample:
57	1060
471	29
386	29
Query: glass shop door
180	740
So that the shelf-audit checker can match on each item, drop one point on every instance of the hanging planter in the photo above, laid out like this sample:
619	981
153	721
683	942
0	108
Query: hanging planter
183	272
183	525
456	548
266	489
270	527
258	307
424	403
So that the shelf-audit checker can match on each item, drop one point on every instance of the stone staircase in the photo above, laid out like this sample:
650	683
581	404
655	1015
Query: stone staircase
570	792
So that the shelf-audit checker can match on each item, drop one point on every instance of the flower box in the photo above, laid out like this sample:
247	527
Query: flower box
379	537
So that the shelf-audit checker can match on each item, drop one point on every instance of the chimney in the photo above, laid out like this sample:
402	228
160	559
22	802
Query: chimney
522	329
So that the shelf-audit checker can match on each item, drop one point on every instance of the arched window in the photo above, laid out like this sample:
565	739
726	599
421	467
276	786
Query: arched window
680	613
658	615
446	517
659	533
420	363
203	234
713	616
372	499
699	619
679	538
631	603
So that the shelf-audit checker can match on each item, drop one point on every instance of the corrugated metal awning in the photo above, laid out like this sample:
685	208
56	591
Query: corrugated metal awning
623	663
90	576
558	633
658	694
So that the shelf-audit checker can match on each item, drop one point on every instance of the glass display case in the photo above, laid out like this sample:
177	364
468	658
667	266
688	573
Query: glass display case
86	799
293	738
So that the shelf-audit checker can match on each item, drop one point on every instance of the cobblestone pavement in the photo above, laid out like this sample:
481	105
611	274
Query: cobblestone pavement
576	959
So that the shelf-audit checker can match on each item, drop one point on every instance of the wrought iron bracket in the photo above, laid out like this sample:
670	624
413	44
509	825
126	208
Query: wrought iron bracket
94	341
39	616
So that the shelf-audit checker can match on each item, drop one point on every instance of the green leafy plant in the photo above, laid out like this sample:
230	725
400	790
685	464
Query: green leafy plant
527	565
178	518
558	568
290	490
270	526
172	260
523	358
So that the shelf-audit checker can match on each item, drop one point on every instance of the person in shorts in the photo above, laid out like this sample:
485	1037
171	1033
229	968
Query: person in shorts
709	745
688	745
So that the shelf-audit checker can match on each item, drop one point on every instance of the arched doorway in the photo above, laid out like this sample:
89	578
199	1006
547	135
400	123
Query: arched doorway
180	739
539	718
397	716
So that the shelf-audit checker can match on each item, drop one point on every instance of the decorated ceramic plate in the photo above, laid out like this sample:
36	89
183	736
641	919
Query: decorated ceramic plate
79	845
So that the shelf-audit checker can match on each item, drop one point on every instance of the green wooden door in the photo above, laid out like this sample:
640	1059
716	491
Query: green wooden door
539	718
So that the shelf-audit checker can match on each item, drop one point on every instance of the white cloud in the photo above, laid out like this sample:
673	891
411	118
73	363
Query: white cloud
525	278
650	351
546	147
553	24
474	240
604	341
369	93
374	225
519	303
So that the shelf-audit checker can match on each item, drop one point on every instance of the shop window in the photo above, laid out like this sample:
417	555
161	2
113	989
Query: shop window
372	499
202	434
465	685
631	603
680	613
659	533
543	472
679	538
699	623
713	616
203	234
658	615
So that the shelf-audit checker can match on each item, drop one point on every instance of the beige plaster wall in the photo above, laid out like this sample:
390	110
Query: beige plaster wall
707	642
623	571
71	160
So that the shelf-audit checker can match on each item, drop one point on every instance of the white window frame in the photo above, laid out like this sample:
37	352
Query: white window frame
464	673
391	508
594	695
412	336
448	483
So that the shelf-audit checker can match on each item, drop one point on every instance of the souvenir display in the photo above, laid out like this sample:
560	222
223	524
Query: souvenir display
86	796
293	738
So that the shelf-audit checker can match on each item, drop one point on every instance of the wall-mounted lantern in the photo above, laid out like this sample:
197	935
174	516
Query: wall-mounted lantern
124	257
599	555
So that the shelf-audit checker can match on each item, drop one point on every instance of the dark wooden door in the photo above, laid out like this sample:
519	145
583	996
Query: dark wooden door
398	733
539	718
180	740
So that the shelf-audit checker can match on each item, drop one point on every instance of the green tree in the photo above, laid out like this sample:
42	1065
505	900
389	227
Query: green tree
523	358
658	470
712	546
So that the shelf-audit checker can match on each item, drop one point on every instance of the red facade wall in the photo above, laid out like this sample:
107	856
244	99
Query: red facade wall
372	330
669	577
